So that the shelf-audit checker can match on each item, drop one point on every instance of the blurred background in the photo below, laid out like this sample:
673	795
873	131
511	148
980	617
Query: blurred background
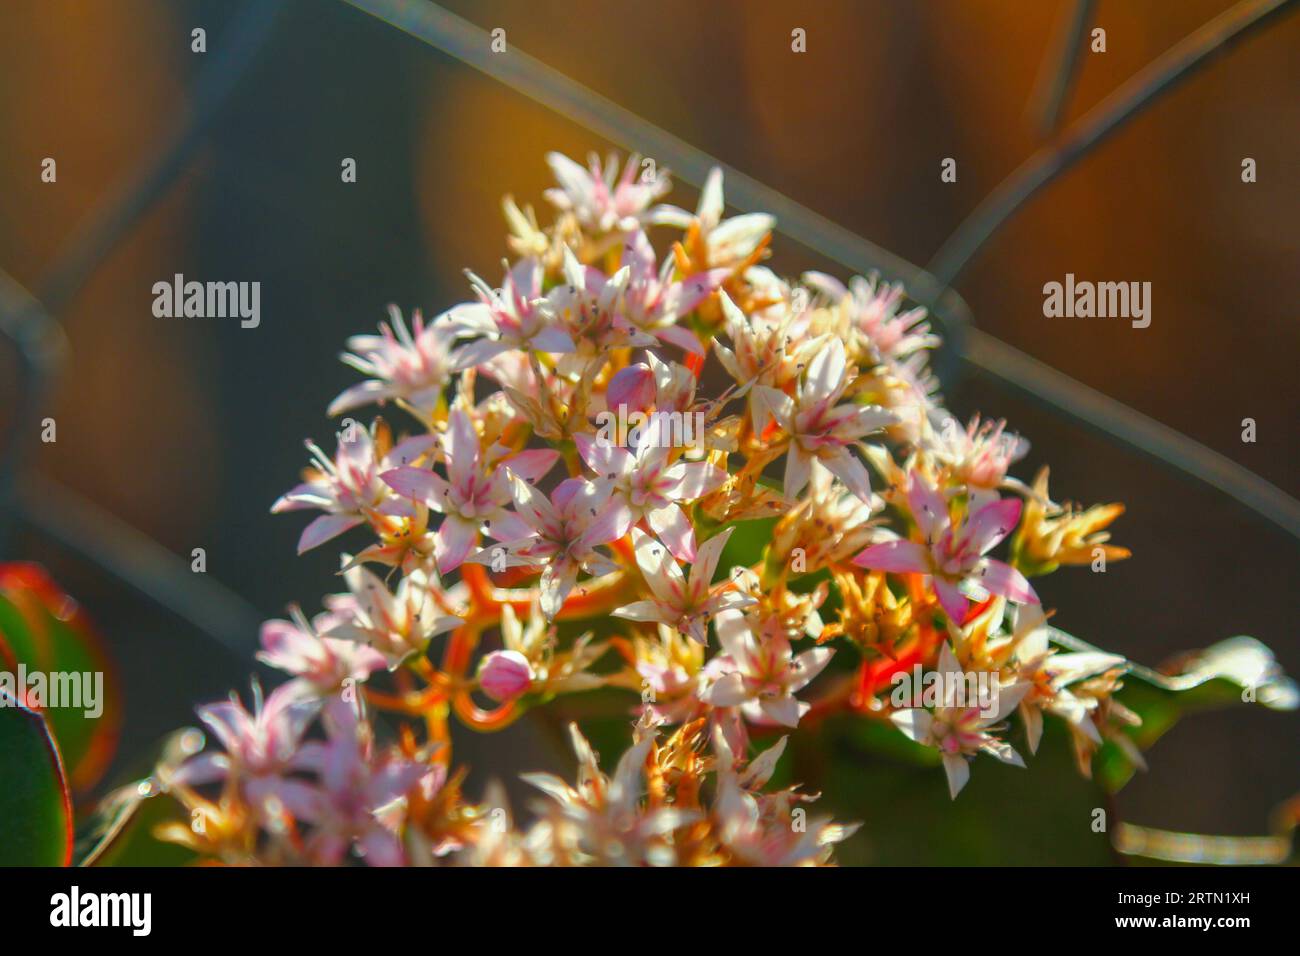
188	429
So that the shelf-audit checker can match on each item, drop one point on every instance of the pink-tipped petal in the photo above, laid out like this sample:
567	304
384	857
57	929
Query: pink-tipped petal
611	521
461	444
727	691
553	340
640	611
659	569
989	525
928	507
698	479
954	603
681	337
533	464
798	469
324	528
674	529
706	560
419	484
896	556
826	370
1003	579
452	543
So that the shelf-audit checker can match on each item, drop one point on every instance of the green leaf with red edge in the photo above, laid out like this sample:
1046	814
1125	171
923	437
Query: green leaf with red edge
35	807
46	630
88	743
18	642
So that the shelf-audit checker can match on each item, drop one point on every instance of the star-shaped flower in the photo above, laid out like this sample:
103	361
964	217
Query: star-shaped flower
261	750
960	732
356	786
511	318
600	202
760	673
321	665
474	495
643	484
653	302
954	557
397	625
819	428
603	819
348	487
686	604
413	366
563	533
1049	675
725	243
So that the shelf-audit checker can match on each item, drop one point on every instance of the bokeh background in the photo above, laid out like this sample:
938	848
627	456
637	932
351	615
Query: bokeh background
189	429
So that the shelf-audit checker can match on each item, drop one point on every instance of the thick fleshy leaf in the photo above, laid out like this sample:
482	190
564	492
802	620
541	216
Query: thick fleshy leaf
1240	670
47	632
35	807
862	761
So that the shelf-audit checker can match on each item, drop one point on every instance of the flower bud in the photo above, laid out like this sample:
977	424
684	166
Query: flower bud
504	675
632	388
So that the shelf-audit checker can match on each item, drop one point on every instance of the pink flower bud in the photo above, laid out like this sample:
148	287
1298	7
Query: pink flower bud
632	387
504	675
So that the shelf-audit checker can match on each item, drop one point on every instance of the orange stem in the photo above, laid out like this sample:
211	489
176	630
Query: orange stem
475	717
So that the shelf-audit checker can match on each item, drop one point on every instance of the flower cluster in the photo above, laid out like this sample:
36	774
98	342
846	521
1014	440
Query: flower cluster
796	521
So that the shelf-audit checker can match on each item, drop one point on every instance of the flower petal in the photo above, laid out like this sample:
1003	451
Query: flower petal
929	510
914	722
999	578
849	470
419	484
642	611
954	603
958	771
324	528
674	529
989	525
897	556
706	561
453	542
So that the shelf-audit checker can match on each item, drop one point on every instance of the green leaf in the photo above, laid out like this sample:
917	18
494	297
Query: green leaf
17	636
35	808
1006	816
1240	670
87	742
746	544
45	630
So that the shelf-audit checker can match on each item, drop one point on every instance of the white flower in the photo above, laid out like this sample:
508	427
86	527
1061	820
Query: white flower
678	602
820	429
600	202
413	366
727	243
760	673
1048	675
960	732
397	625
